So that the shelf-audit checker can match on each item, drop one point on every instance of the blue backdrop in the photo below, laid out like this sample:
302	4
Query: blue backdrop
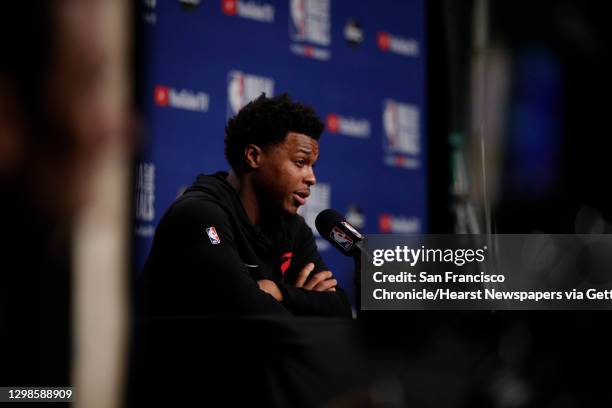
359	64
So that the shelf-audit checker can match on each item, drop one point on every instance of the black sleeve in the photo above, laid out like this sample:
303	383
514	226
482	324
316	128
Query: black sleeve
201	275
308	302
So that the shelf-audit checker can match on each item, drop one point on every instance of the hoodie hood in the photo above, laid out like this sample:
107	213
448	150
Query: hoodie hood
217	189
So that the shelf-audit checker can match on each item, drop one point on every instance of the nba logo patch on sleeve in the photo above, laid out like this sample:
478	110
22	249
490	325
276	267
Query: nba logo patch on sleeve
212	235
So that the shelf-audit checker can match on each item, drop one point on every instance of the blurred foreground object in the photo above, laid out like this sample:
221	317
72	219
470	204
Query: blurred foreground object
64	166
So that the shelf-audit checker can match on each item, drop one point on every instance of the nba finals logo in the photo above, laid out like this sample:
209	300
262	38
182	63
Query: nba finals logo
243	88
401	140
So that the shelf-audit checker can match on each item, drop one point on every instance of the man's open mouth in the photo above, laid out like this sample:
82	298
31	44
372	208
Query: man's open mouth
300	196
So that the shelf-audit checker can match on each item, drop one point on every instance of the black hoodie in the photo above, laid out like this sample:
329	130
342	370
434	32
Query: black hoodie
206	259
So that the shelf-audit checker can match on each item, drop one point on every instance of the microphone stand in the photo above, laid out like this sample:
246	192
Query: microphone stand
357	282
357	255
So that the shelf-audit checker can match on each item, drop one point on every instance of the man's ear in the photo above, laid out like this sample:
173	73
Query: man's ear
252	156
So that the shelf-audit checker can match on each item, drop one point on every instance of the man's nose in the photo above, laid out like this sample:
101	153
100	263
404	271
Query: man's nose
310	177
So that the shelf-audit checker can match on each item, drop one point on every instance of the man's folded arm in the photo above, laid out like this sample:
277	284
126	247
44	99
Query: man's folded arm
309	302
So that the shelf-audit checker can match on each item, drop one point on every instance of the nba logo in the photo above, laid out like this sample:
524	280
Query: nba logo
401	128
212	235
243	88
235	92
390	124
298	20
341	238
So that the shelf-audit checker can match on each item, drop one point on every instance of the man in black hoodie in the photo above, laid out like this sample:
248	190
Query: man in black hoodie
234	243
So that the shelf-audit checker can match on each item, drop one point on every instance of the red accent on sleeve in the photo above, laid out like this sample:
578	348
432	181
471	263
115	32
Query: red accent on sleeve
286	261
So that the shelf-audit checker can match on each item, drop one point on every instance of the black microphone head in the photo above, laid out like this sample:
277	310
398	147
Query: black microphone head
333	227
326	220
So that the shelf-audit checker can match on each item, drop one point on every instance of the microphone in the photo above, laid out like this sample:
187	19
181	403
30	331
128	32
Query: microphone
347	239
340	233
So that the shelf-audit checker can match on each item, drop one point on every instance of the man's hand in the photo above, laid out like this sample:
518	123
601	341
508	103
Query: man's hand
321	281
270	288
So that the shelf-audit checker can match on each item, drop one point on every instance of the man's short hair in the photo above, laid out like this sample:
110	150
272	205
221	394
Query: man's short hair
267	121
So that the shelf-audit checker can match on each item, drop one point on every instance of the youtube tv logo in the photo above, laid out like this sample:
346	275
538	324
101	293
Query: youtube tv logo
186	99
333	123
252	10
383	40
384	223
229	7
408	47
390	224
347	125
161	95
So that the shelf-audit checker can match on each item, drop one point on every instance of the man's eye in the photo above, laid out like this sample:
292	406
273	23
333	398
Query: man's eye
300	162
